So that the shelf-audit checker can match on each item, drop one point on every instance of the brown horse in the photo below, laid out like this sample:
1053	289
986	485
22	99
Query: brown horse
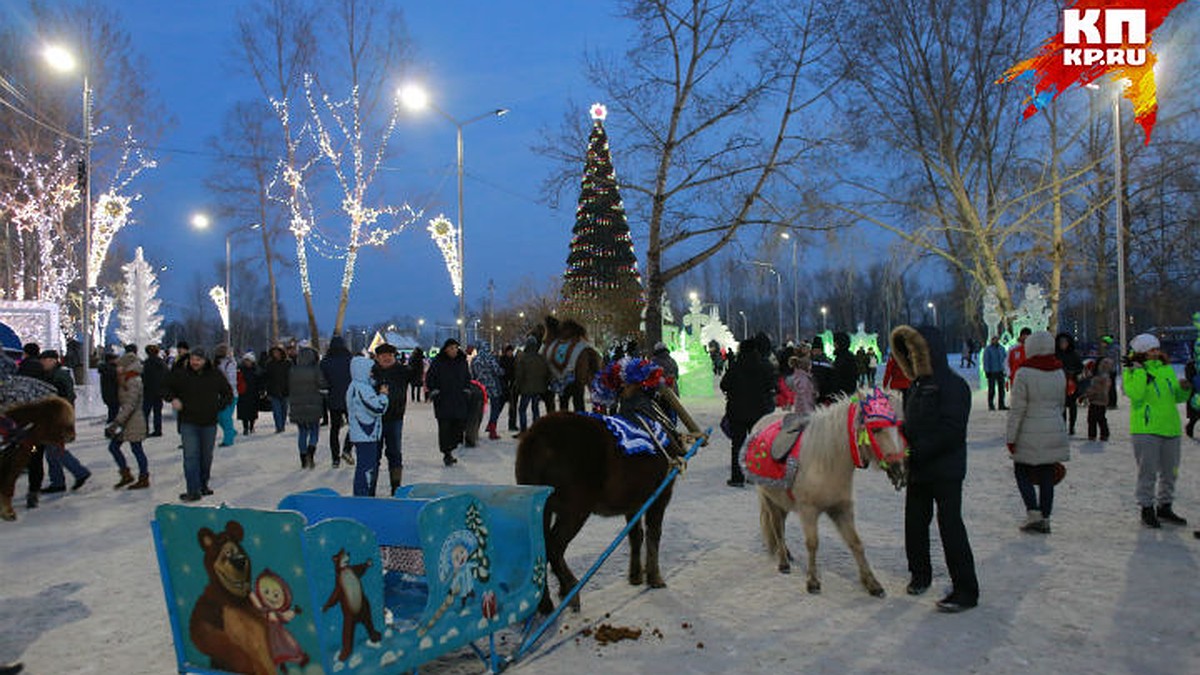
572	359
47	421
579	458
824	470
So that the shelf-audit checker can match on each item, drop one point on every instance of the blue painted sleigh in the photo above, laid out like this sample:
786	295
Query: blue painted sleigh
333	584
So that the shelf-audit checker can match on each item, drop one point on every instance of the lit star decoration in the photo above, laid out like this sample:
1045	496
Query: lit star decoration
217	293
445	235
1058	65
111	210
602	286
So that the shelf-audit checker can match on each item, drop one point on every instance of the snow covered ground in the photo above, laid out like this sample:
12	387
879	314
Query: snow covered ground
80	593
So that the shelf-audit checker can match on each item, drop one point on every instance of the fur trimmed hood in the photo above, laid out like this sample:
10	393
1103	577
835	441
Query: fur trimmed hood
918	351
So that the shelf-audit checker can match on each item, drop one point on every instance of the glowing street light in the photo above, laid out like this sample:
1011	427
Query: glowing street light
201	221
933	308
795	284
745	325
824	313
64	61
414	97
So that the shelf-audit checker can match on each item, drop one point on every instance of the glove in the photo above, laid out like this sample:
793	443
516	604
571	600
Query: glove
1012	448
112	431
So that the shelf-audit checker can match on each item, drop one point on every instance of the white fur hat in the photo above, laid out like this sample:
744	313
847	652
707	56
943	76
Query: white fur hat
1143	343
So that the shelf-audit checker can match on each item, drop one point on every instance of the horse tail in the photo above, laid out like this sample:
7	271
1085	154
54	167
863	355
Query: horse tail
770	519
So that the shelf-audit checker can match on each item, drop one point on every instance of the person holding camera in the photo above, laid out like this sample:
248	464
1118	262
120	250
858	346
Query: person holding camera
129	424
1154	394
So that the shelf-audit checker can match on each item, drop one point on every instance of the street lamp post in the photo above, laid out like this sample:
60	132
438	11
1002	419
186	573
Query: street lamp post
745	325
201	222
62	61
795	286
933	309
415	98
1120	216
824	314
778	293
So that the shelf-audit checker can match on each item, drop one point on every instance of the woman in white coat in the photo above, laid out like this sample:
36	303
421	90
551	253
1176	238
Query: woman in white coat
1036	434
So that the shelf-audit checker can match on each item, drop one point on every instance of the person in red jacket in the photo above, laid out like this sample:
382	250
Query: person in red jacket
1016	355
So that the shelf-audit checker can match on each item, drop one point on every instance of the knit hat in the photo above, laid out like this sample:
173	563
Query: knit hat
1039	343
1143	343
198	351
385	348
450	341
249	356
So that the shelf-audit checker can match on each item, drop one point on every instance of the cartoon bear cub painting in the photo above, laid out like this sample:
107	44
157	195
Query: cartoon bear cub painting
348	593
224	624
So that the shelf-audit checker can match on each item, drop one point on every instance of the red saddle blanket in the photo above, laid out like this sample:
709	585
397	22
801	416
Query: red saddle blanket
760	466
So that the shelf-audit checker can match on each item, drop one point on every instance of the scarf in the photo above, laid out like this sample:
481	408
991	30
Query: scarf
1043	362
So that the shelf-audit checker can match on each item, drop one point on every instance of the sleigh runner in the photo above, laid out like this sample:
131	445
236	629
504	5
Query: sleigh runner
350	585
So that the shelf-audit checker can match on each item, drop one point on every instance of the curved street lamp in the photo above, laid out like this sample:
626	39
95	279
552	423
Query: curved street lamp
414	97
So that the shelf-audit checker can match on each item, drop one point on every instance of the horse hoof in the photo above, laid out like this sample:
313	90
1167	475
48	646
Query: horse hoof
8	515
657	583
785	569
814	588
877	592
635	579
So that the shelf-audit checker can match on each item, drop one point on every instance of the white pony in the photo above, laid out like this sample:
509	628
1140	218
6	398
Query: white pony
854	432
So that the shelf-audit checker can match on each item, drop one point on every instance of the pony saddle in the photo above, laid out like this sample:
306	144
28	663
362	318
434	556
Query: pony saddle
638	436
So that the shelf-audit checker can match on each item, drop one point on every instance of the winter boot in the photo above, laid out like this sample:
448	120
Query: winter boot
142	483
80	480
491	429
1032	518
31	499
348	457
1166	515
311	456
395	475
1150	518
126	479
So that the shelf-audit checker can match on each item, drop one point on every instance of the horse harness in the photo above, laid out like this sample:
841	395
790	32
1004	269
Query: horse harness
871	412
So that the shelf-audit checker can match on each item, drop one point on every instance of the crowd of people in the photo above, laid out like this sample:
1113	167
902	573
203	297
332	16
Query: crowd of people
1040	383
360	398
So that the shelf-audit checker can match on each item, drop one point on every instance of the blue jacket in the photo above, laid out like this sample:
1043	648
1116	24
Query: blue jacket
994	357
364	406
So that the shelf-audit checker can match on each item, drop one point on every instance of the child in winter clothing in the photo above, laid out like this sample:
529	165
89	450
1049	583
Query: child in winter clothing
1096	393
1154	395
365	408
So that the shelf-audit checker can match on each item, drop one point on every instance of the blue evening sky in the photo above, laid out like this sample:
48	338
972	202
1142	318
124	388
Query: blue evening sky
475	56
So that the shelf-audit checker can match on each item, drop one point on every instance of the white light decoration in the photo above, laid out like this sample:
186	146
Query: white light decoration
217	293
141	324
445	235
103	305
111	210
354	165
599	112
43	192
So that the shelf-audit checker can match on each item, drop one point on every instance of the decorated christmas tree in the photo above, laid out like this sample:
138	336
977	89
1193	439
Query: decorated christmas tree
141	324
602	288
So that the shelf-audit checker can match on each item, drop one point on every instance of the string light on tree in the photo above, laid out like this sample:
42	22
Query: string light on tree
445	236
112	209
355	171
602	286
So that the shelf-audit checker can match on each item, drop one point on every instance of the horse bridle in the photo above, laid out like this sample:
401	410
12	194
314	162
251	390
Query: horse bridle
872	411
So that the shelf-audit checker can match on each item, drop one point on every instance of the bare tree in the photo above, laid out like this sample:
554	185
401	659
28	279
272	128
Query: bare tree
705	128
350	141
245	167
277	44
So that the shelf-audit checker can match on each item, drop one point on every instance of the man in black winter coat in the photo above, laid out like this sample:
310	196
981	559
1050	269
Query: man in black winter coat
845	367
396	376
154	376
749	386
448	382
108	385
935	424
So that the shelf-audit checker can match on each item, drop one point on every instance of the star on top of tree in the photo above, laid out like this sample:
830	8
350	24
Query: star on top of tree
599	112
